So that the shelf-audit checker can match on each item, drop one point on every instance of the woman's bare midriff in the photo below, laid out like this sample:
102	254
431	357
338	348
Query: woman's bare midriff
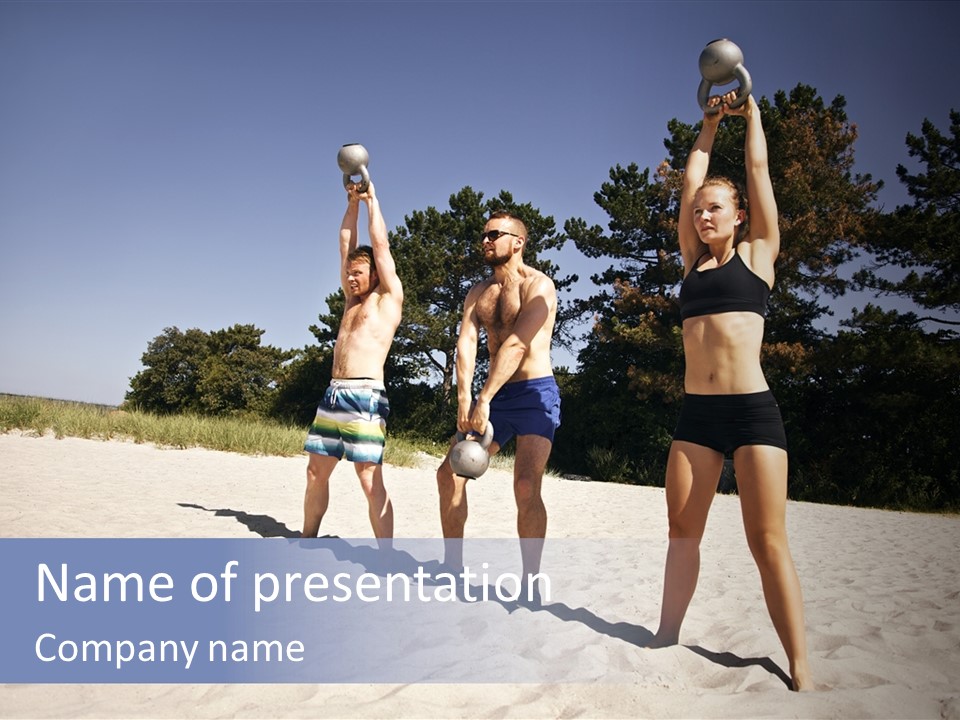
722	354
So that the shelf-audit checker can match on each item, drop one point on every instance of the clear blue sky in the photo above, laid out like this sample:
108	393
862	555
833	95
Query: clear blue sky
174	163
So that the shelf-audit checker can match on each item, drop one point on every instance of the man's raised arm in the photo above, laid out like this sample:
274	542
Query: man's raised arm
386	267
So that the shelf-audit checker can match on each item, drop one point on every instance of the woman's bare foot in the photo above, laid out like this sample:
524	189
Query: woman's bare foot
801	678
662	639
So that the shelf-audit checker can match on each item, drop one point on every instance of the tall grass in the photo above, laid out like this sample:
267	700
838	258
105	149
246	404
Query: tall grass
247	435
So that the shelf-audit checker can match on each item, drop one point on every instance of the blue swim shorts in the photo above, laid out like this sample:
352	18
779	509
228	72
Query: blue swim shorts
526	407
351	422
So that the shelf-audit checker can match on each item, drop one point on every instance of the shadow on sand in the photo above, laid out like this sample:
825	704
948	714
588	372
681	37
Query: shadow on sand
262	525
379	561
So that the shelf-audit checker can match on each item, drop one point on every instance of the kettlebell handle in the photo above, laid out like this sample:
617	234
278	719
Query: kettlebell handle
364	180
484	441
743	92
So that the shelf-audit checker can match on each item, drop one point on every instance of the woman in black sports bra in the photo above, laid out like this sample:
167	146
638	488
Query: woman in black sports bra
728	408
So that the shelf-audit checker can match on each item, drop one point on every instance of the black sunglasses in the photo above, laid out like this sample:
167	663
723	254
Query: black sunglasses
494	235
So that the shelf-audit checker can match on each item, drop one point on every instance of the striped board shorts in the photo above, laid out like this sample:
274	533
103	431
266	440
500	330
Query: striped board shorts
351	422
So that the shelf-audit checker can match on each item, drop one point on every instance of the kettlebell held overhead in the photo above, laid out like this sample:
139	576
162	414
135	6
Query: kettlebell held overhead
353	160
469	458
721	62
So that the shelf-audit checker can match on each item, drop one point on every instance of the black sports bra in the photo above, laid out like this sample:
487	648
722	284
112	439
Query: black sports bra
732	287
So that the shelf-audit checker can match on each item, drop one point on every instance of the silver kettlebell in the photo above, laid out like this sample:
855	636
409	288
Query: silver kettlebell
353	159
721	62
469	457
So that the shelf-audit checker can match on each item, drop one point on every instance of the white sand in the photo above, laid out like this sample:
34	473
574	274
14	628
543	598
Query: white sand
882	593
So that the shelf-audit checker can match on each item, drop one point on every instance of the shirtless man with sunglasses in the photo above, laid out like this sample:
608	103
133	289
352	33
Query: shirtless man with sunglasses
517	307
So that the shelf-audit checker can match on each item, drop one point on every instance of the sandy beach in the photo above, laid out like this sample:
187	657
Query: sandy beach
881	589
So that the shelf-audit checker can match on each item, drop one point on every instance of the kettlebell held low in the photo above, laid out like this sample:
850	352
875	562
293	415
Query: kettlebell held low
469	458
721	62
353	159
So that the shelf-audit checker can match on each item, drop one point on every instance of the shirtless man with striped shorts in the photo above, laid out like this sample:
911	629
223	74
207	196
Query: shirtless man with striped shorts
351	419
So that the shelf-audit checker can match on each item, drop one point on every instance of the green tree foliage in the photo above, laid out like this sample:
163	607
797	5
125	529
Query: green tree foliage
881	429
170	379
636	339
239	374
634	314
438	260
301	383
217	373
633	352
888	388
922	238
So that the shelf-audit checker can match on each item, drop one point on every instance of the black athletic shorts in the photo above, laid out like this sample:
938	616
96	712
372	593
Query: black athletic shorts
727	422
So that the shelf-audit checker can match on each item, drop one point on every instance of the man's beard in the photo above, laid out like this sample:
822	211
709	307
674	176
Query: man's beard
495	261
